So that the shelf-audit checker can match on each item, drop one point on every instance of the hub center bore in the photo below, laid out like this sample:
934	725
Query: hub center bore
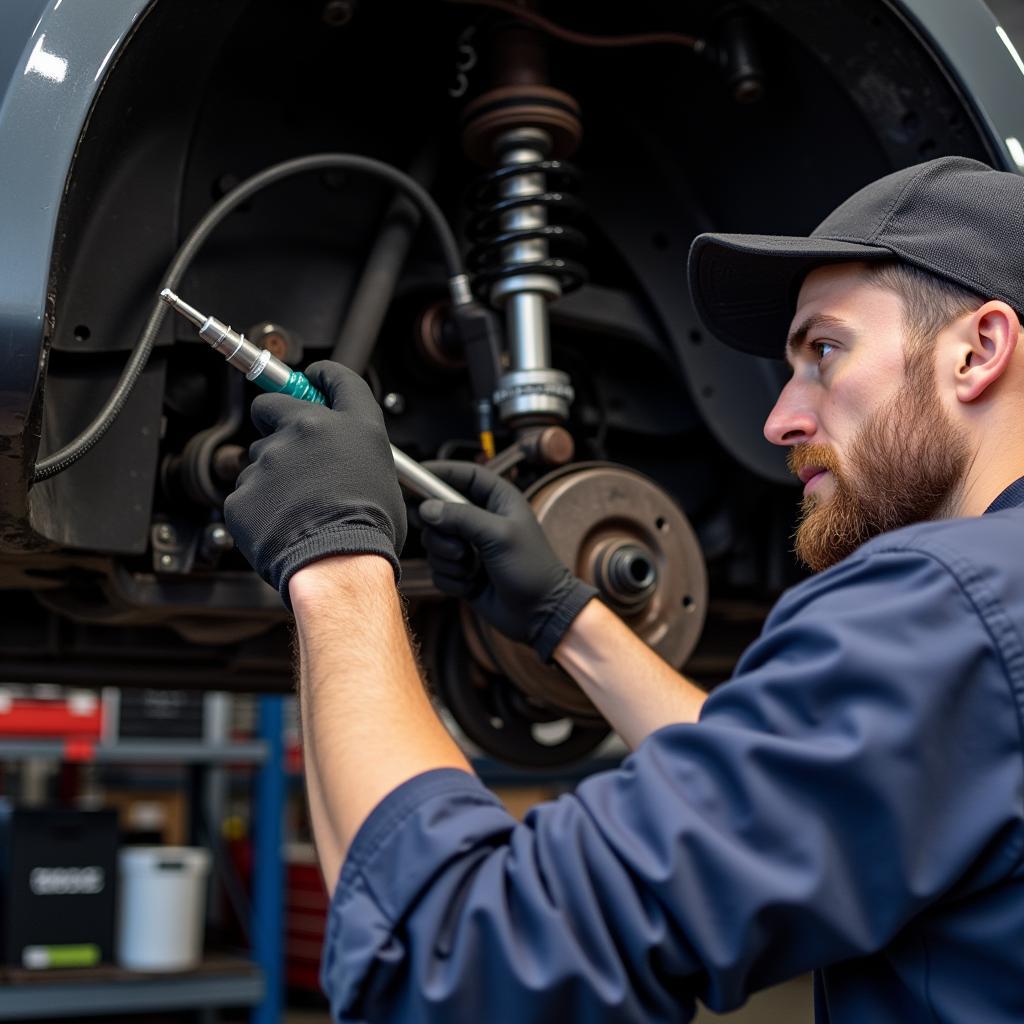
626	573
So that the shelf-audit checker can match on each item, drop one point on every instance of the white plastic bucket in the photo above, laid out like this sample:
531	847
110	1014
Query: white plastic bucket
161	907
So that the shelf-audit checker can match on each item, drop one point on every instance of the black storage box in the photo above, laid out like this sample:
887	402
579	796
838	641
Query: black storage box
133	714
58	879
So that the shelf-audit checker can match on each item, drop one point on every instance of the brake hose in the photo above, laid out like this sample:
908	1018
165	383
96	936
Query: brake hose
458	283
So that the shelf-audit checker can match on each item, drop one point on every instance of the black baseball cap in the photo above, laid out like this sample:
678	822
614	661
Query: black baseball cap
953	216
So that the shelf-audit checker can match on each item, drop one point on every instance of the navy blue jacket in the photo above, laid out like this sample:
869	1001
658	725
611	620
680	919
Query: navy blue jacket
852	802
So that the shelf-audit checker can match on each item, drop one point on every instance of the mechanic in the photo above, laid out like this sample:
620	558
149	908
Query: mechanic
852	801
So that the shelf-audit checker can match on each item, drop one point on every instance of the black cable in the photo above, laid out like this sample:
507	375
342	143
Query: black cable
74	450
586	38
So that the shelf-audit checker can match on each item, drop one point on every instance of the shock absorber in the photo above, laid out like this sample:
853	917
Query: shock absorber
523	253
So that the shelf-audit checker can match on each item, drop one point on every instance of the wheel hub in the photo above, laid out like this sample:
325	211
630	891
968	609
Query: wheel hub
621	532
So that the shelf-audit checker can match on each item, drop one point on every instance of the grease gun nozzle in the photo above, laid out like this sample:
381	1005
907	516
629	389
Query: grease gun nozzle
179	305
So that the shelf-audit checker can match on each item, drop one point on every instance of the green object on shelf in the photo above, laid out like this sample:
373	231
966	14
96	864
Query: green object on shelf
82	954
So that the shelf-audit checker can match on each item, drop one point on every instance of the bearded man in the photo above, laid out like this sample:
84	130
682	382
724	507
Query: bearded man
851	802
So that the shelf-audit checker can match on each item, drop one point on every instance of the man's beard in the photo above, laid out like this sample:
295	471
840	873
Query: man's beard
906	465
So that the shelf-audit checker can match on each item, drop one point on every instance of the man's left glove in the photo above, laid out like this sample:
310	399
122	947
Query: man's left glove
322	481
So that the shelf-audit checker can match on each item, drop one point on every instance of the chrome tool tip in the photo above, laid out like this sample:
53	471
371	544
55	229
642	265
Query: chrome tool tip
182	307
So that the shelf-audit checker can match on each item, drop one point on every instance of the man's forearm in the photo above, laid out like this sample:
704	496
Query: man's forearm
368	725
631	686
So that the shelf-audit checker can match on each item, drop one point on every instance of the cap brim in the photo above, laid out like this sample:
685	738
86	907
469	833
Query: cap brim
744	287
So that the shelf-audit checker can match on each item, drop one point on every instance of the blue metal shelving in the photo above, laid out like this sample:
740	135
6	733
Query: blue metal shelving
268	880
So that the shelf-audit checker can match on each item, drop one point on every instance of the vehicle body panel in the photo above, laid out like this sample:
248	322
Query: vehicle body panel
52	84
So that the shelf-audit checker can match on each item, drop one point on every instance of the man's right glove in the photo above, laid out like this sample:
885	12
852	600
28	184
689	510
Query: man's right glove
497	557
321	482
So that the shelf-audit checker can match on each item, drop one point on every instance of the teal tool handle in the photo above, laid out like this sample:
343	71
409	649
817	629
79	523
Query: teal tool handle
297	385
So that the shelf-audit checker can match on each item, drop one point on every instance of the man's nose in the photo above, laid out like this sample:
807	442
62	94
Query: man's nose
791	421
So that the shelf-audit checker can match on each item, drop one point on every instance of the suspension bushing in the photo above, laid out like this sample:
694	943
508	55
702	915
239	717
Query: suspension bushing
503	109
519	96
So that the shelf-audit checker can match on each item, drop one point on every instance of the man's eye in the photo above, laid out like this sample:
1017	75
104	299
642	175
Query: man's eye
822	348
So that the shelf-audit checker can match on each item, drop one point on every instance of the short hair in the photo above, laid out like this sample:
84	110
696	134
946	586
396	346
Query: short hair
930	302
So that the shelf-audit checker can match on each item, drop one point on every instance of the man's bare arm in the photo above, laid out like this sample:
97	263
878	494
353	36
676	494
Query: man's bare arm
368	725
637	691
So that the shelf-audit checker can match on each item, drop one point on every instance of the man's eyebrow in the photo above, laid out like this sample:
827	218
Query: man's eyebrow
813	322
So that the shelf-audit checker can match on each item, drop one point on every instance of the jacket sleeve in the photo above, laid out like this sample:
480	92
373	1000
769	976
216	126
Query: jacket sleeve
864	757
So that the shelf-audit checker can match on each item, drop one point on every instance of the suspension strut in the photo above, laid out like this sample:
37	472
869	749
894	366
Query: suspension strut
524	254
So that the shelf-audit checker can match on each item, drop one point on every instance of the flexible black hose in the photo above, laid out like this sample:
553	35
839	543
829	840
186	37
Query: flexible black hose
74	450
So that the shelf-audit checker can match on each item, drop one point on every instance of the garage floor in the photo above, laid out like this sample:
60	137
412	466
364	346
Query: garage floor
784	1004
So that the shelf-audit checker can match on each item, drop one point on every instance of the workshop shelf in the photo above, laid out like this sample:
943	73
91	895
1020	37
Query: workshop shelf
131	751
107	990
219	981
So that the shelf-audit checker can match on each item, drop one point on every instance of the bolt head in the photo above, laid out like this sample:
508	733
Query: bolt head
166	561
165	533
225	183
394	403
748	90
556	446
219	537
276	344
337	13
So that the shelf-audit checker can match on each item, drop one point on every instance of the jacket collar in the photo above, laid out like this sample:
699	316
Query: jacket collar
1012	497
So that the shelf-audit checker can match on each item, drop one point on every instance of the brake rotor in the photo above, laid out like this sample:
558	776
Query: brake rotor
498	717
621	532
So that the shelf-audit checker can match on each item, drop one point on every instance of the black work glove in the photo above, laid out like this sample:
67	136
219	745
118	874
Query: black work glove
497	558
322	481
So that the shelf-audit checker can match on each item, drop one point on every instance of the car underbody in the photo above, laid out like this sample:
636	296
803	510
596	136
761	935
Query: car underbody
635	433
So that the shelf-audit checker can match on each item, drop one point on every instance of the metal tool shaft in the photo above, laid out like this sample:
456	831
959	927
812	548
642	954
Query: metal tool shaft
413	477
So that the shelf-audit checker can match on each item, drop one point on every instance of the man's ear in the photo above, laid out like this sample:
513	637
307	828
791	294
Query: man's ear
985	349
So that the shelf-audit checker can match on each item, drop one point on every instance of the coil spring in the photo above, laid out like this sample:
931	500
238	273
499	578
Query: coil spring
486	258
